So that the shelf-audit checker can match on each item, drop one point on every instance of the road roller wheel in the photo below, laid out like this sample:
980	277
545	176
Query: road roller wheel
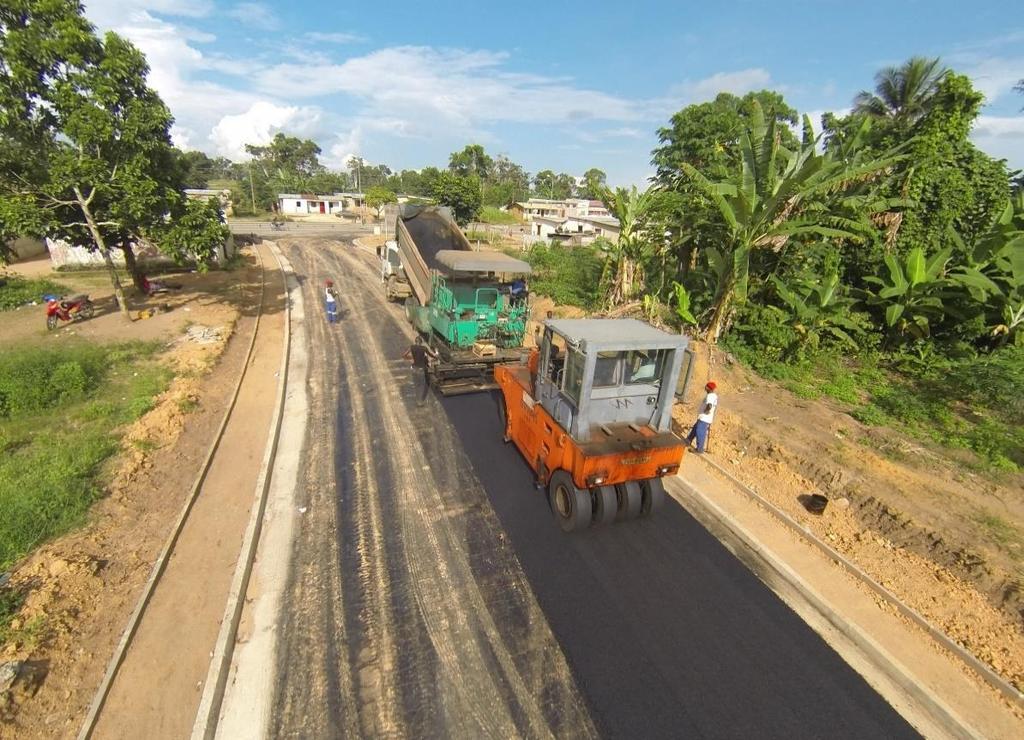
570	505
503	417
653	491
630	499
606	504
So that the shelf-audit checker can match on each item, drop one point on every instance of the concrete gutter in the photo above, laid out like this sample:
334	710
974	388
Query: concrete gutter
247	705
216	680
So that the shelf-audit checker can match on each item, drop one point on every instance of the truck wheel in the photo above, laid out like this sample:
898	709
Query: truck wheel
631	500
606	504
389	288
570	505
653	495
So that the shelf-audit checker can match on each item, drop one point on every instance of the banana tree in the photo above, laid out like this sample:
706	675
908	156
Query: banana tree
775	196
994	274
623	266
816	309
913	294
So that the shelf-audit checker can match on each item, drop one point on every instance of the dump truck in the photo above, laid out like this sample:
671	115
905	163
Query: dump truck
461	300
591	410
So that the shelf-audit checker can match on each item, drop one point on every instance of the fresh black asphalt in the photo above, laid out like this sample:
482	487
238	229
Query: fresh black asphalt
668	633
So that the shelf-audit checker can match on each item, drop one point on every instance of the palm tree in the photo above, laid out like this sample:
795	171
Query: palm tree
623	272
902	94
773	195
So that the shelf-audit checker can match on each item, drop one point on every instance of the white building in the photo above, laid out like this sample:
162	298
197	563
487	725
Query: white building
304	204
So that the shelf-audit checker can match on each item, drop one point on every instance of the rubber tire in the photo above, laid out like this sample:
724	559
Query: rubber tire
51	322
606	504
570	505
503	417
389	292
653	495
86	310
630	499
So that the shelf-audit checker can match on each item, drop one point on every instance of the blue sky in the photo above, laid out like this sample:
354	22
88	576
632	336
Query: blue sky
551	85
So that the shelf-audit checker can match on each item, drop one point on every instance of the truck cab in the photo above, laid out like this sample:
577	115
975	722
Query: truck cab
396	285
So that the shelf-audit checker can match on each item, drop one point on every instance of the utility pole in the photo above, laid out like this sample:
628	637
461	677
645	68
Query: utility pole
252	189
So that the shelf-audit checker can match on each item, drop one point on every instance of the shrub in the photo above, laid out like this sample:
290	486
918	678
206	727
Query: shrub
568	275
17	291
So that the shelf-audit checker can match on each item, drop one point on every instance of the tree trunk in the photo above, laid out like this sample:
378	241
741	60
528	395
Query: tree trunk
97	237
133	267
722	308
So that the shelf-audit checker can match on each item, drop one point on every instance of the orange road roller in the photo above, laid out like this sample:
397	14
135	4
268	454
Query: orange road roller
591	412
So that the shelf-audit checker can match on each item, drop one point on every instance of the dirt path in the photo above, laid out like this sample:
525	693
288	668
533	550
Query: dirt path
409	616
84	585
158	686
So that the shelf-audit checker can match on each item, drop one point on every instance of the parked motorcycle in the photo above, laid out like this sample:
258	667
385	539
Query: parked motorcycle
73	308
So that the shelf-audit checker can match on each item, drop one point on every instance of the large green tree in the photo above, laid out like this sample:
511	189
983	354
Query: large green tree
595	182
472	160
102	164
461	193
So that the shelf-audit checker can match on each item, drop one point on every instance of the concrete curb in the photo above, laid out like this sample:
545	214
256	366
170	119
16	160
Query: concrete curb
247	708
983	670
216	679
161	562
938	711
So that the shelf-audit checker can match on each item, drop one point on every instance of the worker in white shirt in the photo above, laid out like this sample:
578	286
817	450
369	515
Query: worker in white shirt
704	418
331	299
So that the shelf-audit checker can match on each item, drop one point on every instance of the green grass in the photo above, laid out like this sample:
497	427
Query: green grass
18	291
61	409
479	236
494	215
972	404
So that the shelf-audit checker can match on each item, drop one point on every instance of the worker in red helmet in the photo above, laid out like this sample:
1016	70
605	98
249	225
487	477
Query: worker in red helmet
702	427
331	298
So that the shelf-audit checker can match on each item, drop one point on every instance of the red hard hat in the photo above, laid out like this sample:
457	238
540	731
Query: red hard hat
330	282
711	385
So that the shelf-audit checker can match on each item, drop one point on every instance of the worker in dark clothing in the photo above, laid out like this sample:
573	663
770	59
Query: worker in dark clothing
418	354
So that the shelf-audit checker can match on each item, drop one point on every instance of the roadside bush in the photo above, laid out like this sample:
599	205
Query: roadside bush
36	378
17	291
568	275
759	336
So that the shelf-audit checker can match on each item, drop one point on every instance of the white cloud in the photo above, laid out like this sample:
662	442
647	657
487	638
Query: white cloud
441	89
335	37
109	13
256	15
343	149
1001	137
258	126
182	137
738	83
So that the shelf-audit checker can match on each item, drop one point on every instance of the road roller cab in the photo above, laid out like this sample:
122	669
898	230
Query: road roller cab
591	412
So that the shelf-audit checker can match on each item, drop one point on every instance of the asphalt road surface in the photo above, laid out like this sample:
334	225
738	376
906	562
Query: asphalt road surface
433	595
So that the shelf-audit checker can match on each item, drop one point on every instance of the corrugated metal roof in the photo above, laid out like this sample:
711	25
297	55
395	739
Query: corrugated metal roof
616	334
